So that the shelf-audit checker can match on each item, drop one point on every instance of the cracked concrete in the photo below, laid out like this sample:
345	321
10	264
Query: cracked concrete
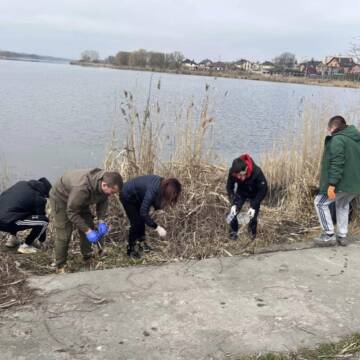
210	309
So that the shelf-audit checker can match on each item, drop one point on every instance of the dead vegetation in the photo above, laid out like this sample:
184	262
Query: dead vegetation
196	227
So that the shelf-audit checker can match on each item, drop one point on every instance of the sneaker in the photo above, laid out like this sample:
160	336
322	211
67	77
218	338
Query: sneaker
27	249
233	235
342	240
146	247
325	240
12	242
133	254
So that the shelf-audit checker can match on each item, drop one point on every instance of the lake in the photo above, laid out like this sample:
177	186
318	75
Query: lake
55	117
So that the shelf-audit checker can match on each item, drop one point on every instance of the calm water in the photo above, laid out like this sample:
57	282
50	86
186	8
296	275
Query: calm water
55	117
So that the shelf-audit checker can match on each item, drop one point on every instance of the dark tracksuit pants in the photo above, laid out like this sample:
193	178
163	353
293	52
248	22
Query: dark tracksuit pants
37	223
137	224
234	225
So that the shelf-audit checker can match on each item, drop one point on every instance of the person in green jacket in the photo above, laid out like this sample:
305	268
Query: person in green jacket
339	180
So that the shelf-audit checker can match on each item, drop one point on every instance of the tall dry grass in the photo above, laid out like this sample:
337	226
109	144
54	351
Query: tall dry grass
196	226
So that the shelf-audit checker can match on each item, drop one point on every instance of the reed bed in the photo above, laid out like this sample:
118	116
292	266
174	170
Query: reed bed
196	226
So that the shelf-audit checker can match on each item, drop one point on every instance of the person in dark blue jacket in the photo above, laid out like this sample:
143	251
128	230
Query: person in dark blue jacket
138	196
22	207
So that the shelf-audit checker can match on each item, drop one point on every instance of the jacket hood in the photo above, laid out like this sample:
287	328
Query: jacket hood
350	131
43	186
241	163
94	178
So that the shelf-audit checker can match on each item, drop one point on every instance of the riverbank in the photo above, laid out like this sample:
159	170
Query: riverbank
269	306
232	75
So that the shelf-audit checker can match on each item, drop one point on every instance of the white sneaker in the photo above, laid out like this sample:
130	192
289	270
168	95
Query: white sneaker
12	242
27	249
325	240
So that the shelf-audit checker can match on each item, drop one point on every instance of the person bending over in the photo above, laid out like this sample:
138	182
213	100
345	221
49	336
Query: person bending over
138	196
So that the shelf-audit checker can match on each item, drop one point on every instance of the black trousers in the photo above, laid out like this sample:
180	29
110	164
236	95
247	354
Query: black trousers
37	223
234	225
137	224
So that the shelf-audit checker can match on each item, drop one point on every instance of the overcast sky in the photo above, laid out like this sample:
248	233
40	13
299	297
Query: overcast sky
219	30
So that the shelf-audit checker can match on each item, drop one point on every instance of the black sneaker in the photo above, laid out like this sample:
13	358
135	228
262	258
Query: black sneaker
146	247
233	235
342	241
133	254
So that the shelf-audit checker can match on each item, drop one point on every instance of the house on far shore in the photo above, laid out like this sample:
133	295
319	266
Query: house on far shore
355	69
218	66
243	65
190	64
205	64
267	67
339	64
312	67
256	66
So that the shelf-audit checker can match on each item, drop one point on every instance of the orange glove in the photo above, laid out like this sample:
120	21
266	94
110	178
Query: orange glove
331	192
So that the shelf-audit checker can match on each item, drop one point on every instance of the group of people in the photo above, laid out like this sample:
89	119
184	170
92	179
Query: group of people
23	206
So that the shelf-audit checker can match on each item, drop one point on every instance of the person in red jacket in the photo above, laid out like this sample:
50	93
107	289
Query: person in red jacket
246	182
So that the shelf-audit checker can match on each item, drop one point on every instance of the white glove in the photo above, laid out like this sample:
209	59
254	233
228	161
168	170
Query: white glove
161	231
251	213
230	216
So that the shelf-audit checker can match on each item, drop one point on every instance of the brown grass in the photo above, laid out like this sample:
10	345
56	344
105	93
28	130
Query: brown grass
196	226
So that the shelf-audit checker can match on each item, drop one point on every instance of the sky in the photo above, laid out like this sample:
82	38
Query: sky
220	30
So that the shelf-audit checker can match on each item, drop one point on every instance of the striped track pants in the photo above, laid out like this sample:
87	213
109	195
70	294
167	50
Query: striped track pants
342	201
38	225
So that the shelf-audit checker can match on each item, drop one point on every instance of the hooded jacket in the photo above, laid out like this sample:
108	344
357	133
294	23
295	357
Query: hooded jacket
254	187
144	192
23	199
340	165
79	189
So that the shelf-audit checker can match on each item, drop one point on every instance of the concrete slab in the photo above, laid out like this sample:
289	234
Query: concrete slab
211	309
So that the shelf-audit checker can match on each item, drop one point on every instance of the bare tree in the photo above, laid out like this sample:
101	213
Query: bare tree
285	60
355	49
122	58
174	60
90	56
138	58
157	59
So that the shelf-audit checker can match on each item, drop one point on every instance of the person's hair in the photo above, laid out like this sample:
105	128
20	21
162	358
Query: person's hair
337	121
112	179
237	166
170	190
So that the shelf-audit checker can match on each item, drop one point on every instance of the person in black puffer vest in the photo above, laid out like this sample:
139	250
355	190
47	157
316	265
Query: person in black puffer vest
246	181
22	207
138	196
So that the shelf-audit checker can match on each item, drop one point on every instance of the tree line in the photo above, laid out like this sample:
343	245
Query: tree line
138	58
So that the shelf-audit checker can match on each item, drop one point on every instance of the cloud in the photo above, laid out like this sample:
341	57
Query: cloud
212	27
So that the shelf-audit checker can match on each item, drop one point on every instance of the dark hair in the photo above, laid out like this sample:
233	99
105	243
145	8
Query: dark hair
170	190
337	121
237	166
112	179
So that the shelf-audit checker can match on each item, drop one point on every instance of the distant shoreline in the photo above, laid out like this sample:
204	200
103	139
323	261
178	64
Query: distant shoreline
40	60
231	75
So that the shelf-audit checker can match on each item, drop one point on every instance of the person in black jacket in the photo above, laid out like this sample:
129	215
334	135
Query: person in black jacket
246	181
138	196
22	207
